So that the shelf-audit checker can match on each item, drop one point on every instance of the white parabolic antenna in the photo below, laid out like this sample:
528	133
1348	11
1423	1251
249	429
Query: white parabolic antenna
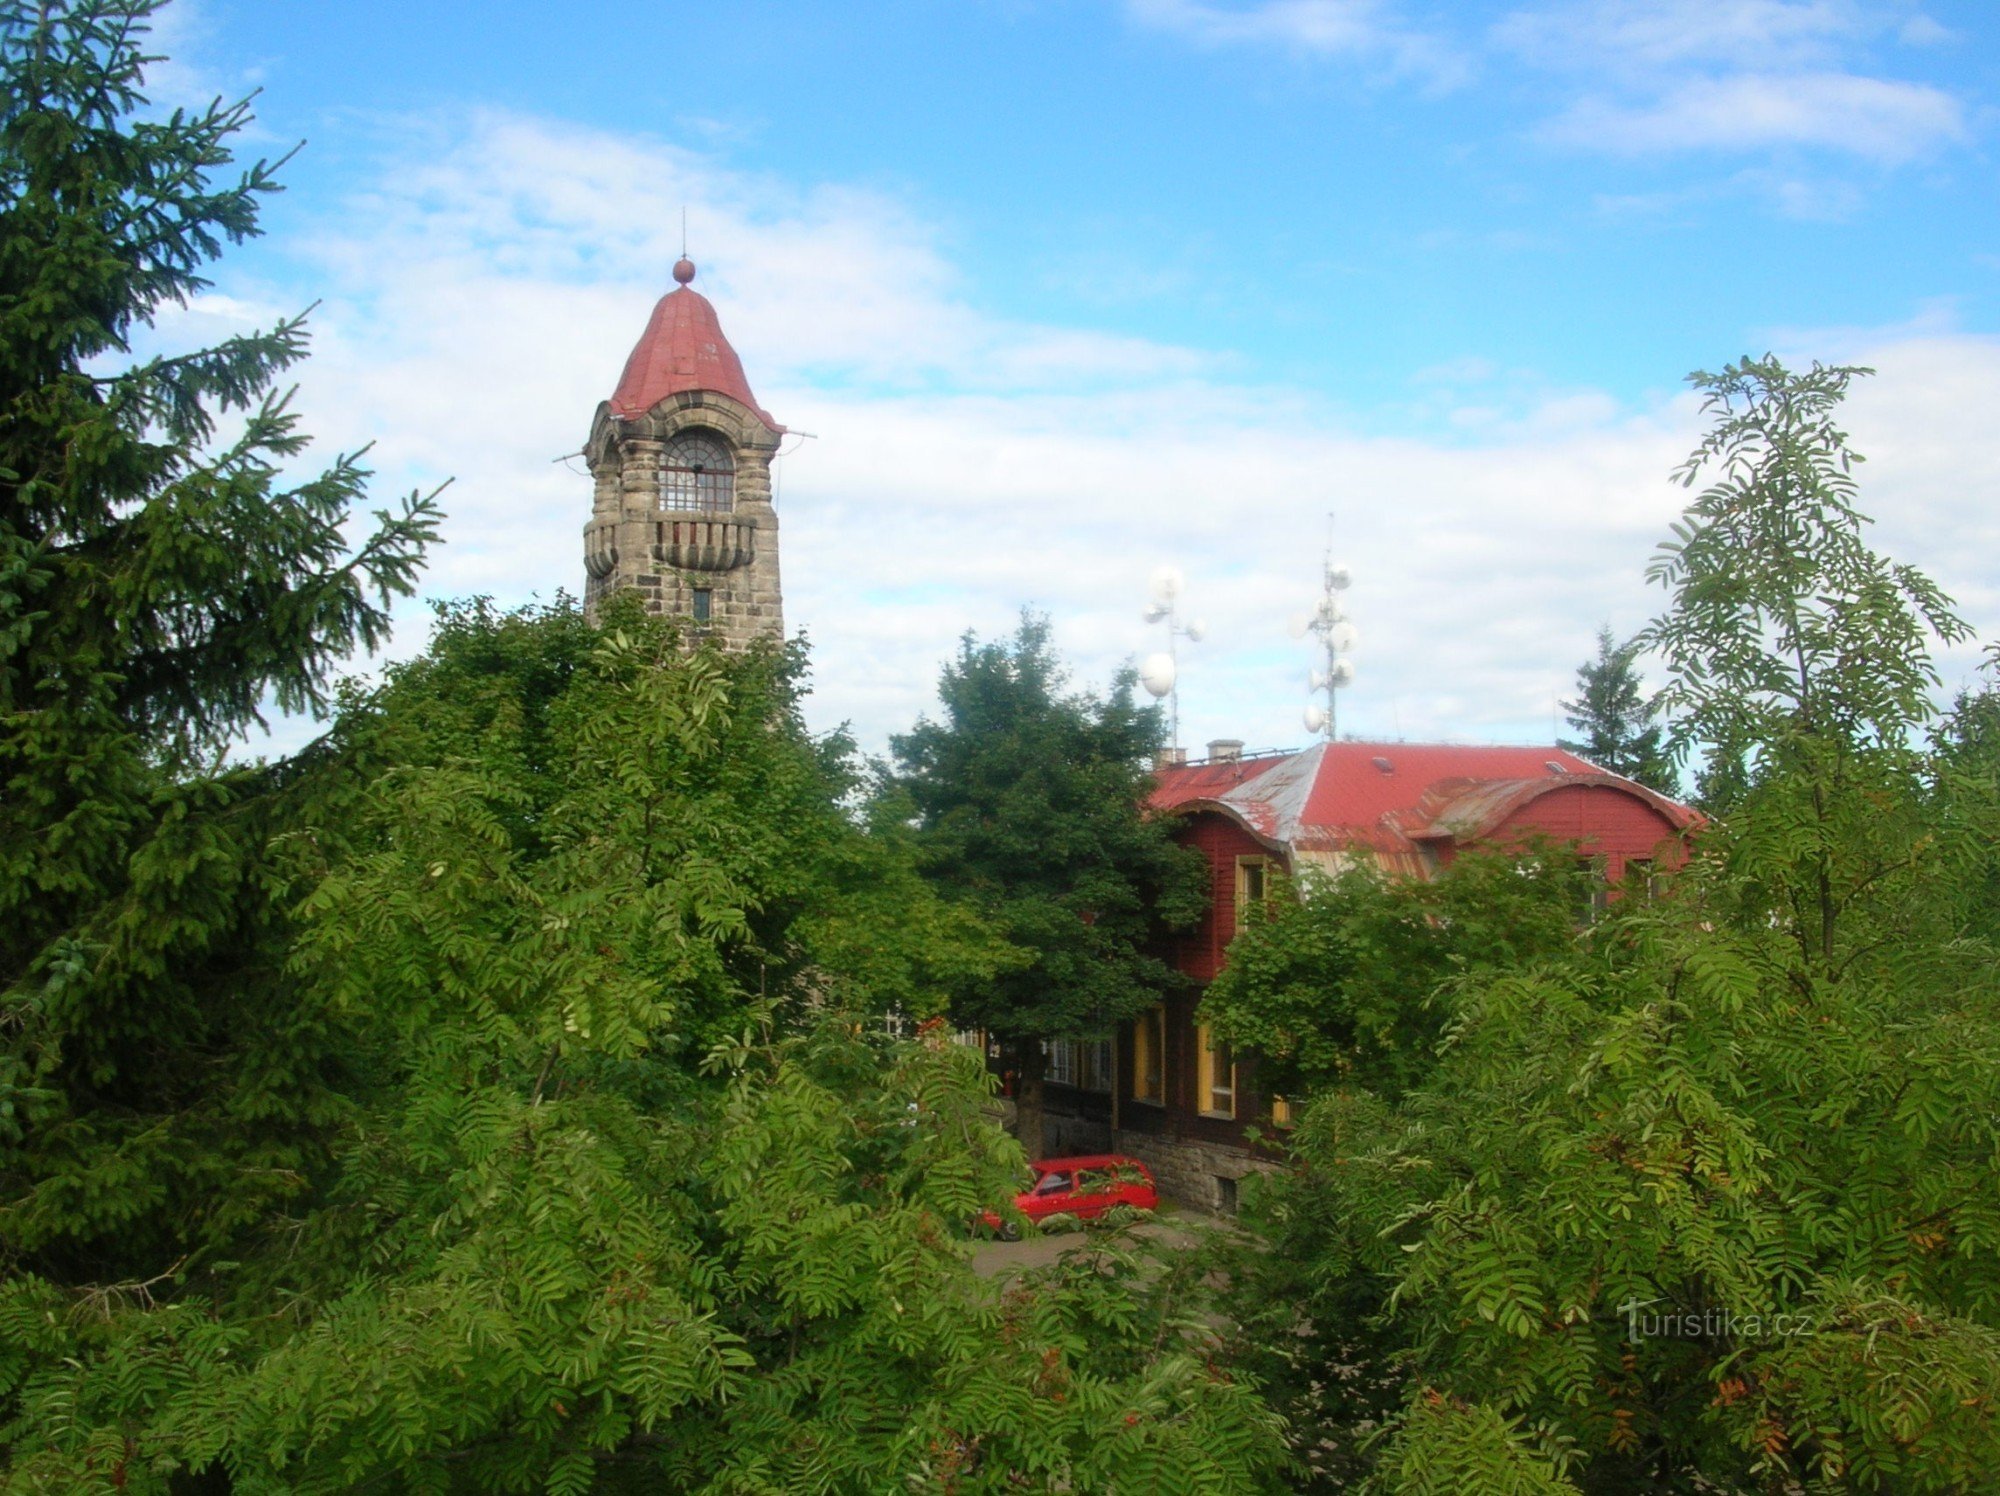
1342	673
1167	583
1315	718
1343	636
1156	674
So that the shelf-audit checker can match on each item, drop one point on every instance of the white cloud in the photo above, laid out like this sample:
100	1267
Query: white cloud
1361	30
1654	77
1643	36
1873	118
1923	31
481	301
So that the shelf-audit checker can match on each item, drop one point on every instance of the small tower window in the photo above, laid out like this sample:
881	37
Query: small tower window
698	474
703	604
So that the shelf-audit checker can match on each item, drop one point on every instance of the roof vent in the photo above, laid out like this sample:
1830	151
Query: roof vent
1170	758
1383	764
1225	750
1555	767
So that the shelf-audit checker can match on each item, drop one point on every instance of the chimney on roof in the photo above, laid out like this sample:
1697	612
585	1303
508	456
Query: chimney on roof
1225	750
1170	758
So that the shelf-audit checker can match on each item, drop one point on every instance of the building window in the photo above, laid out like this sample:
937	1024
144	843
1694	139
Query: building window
1590	895
1644	876
1281	1112
1084	1064
1062	1061
1253	881
1149	1057
1093	1065
1217	1079
697	474
702	604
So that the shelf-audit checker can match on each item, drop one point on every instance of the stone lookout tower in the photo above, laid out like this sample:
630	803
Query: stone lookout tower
681	454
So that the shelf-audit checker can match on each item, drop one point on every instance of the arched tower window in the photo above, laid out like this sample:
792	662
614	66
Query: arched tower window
697	473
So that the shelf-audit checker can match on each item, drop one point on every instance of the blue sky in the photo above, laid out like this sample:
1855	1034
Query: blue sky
1066	291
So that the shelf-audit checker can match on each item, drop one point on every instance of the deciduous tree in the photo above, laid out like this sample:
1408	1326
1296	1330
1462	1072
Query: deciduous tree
1028	800
492	1097
1713	1199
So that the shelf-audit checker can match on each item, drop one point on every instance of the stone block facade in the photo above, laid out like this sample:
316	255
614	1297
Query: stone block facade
715	566
1200	1175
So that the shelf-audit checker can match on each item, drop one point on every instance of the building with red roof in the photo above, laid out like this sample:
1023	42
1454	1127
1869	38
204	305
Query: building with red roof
681	458
1162	1088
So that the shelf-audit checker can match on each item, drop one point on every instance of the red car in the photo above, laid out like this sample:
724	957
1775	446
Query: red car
1084	1187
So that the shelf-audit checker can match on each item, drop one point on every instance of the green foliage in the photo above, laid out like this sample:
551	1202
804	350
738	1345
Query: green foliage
1027	802
1619	726
1442	1448
613	1198
1715	1197
1788	638
492	1097
1965	770
158	583
1350	983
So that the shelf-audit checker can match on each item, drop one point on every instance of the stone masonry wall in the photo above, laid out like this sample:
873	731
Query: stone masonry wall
666	555
1185	1169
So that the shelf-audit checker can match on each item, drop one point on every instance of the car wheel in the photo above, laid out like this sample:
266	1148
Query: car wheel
1010	1231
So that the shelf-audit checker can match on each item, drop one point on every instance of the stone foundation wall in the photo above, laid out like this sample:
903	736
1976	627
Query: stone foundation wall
1190	1172
1200	1175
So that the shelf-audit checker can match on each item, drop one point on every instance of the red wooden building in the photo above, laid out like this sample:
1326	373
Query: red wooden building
1161	1089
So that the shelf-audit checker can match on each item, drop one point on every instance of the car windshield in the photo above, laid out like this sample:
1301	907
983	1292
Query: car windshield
1050	1183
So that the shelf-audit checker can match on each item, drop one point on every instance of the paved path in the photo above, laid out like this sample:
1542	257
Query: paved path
997	1259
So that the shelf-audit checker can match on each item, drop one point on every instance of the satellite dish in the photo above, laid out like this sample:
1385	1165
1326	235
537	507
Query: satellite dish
1156	674
1342	673
1330	611
1167	583
1315	680
1154	612
1339	578
1315	719
1198	630
1299	624
1343	636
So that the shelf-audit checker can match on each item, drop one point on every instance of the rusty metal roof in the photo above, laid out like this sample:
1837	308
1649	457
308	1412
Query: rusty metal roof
682	349
1387	798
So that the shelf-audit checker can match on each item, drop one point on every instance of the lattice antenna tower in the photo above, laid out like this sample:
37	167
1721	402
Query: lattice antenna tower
1160	673
1329	624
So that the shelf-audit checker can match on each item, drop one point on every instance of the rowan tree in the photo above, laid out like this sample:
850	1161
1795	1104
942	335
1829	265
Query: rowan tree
1714	1198
493	1096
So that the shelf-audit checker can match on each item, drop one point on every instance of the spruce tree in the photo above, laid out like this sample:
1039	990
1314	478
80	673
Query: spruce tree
1617	723
161	584
466	1103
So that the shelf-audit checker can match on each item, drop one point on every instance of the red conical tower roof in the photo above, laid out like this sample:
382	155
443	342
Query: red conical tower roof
682	349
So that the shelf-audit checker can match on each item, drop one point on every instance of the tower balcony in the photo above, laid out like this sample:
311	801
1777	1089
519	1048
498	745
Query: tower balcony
722	543
600	548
